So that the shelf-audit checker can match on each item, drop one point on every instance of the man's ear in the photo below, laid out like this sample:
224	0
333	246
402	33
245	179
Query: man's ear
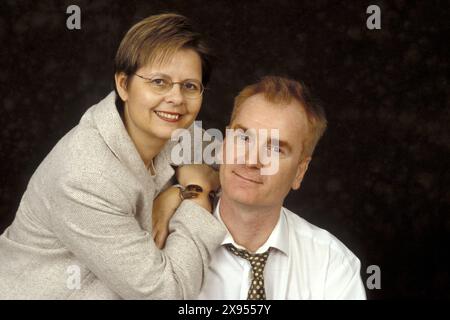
301	170
122	85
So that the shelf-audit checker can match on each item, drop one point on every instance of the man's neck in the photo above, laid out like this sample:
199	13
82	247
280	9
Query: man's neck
250	226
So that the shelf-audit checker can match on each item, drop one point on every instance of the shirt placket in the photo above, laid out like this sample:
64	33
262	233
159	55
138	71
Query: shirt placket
246	278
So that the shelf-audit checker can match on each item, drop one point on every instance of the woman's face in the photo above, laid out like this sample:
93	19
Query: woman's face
150	115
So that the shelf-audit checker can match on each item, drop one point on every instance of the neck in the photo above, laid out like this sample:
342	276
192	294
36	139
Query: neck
249	226
148	147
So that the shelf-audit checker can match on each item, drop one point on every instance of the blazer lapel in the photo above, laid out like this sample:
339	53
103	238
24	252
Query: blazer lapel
112	129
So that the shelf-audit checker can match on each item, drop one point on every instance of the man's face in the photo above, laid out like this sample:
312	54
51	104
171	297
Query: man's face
244	183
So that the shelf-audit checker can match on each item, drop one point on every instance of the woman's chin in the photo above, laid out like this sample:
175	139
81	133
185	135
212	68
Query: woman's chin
164	133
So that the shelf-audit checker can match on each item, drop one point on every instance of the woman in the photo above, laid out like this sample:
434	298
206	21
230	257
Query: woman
83	227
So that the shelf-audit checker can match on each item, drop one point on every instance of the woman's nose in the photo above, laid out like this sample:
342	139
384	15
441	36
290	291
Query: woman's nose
175	95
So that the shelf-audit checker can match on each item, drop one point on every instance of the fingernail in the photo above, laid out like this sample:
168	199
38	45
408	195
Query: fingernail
194	187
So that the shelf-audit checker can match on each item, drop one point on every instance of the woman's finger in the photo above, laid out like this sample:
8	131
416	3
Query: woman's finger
160	240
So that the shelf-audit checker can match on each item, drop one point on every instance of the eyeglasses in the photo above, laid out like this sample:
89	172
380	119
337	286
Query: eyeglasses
161	84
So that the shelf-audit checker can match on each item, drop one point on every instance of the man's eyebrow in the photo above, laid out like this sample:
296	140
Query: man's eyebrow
238	126
281	143
252	132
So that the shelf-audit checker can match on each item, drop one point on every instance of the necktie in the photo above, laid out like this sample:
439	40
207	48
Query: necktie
258	262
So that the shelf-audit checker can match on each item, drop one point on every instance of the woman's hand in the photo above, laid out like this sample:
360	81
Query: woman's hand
202	175
167	202
164	206
199	174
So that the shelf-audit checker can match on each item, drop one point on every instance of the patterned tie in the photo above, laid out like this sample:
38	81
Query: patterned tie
258	262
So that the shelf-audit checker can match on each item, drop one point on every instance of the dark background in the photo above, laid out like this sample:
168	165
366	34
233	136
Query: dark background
379	179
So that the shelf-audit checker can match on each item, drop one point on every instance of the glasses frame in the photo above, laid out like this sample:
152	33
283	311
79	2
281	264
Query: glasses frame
202	87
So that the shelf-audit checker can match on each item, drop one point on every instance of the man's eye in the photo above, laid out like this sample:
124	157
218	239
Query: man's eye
274	148
191	86
159	82
243	137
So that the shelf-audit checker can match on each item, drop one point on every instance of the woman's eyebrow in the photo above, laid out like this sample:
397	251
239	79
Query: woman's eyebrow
153	74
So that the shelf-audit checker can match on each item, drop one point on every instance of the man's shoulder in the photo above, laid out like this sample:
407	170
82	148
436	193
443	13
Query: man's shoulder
305	229
308	234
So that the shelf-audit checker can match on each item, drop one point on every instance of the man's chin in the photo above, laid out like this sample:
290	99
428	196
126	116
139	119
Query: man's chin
246	198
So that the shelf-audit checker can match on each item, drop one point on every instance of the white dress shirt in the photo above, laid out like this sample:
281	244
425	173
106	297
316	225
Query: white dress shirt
305	262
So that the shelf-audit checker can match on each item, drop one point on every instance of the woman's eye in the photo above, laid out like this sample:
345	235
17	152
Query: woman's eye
159	82
191	86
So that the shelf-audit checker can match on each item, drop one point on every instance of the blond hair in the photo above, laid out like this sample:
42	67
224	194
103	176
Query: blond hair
282	91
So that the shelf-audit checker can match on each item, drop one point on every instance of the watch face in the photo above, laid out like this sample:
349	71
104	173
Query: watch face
191	191
194	187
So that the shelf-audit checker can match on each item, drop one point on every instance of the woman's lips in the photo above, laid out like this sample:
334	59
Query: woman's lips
168	116
247	179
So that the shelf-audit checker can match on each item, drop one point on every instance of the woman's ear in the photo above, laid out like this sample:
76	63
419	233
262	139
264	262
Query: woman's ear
121	84
301	170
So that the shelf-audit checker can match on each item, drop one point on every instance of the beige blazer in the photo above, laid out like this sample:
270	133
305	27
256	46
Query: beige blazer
83	226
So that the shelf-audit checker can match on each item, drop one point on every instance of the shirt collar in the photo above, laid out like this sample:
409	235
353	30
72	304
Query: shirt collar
278	239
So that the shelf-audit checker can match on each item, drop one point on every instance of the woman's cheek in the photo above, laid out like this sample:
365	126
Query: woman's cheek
195	109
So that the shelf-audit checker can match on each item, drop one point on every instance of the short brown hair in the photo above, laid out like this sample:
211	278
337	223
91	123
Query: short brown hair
157	38
280	90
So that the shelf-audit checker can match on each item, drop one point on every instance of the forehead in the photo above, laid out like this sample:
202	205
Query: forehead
258	113
183	64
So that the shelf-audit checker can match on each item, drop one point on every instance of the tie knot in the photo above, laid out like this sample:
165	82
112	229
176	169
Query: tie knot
258	262
255	259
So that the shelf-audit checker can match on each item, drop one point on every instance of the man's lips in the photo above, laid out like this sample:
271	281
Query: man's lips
247	179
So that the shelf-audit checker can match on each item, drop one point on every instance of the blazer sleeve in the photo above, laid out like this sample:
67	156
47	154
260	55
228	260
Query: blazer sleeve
95	220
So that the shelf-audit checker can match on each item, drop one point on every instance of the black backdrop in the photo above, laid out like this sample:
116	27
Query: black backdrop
379	177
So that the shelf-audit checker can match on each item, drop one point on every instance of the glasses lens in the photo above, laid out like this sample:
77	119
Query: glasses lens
192	88
160	84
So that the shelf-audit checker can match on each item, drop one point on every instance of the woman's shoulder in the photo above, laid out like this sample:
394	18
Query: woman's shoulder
83	148
89	152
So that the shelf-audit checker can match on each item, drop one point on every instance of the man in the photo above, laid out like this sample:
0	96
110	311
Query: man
270	252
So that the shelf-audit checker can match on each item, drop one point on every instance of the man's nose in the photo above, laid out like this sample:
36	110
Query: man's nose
175	95
253	156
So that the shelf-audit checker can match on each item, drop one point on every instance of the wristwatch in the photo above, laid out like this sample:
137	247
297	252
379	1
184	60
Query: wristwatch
192	191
